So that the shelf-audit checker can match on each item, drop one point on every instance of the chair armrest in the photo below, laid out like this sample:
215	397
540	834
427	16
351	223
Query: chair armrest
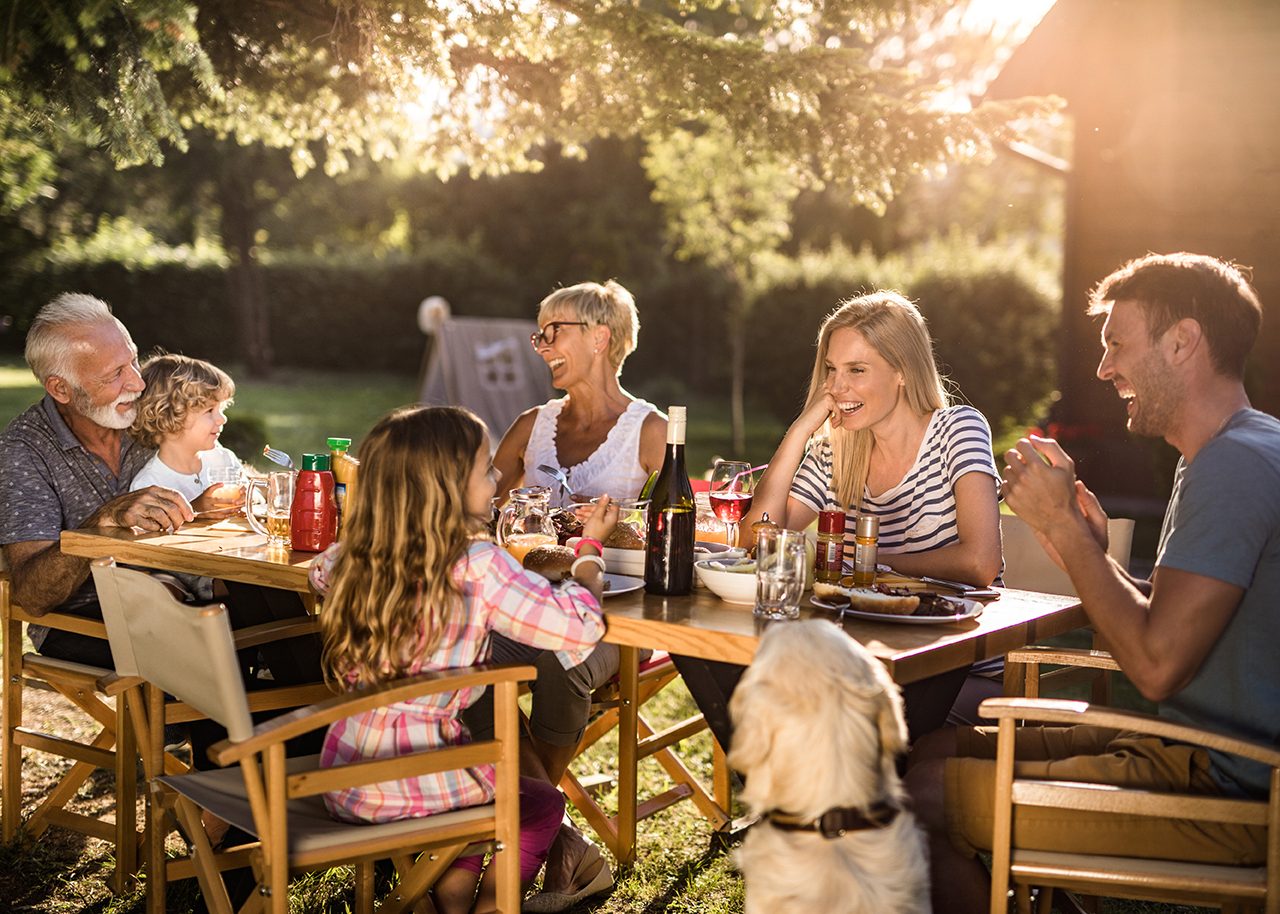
279	630
1065	656
114	684
93	628
304	720
1071	713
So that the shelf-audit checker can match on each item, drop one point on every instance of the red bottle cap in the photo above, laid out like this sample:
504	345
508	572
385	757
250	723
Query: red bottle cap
831	522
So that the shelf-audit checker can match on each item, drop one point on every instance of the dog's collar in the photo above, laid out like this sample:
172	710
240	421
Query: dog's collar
838	820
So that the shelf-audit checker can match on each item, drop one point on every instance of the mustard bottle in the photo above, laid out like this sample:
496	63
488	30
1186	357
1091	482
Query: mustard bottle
864	554
345	469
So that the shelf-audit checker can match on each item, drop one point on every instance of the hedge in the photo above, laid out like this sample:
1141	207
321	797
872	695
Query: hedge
991	317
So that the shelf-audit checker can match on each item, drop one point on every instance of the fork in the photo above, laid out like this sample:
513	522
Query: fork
558	475
275	455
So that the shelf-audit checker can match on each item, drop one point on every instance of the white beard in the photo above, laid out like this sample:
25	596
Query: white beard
105	415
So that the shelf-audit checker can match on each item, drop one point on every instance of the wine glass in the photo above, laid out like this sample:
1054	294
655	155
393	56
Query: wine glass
732	485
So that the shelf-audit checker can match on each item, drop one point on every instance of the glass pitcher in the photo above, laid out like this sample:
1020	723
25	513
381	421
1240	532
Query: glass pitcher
525	521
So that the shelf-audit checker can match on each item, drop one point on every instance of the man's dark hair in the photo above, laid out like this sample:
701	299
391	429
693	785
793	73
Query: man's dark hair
1170	287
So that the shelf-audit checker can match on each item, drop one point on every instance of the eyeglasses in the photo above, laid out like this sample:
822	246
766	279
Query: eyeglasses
547	335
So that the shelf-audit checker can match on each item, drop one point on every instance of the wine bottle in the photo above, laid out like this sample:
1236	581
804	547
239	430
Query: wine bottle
668	561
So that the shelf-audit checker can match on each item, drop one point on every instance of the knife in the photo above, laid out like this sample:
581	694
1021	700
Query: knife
967	590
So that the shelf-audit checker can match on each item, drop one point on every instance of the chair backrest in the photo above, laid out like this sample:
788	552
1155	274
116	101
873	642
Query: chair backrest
187	651
1028	567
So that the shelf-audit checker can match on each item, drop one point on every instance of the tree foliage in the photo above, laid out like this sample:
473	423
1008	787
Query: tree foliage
475	84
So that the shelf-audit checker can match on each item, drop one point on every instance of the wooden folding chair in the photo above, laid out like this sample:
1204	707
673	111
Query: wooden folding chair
643	741
111	748
1232	888
188	652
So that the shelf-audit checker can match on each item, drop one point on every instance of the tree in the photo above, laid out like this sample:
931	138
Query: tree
732	211
480	85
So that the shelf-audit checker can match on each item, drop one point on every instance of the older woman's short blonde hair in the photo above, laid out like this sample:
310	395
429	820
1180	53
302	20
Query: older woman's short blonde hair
609	305
176	387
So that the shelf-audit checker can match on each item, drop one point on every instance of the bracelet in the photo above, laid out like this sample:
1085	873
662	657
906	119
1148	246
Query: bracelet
588	541
588	559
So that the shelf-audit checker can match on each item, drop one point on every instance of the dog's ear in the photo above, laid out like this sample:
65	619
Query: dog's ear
752	734
891	720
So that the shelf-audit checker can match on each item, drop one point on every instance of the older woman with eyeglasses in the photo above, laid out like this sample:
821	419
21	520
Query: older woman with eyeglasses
603	439
606	442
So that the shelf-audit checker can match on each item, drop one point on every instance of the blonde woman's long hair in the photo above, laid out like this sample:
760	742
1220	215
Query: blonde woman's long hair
896	329
392	590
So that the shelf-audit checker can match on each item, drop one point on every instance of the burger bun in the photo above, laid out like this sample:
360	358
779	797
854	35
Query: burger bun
552	562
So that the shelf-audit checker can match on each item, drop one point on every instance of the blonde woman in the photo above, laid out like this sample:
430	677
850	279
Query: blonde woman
878	435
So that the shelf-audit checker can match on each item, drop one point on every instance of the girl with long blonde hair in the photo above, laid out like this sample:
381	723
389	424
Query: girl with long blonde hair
412	587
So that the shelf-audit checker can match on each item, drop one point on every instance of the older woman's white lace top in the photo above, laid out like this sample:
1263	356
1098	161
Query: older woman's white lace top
613	469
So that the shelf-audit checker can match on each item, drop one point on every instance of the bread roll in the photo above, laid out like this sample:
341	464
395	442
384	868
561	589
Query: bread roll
624	536
552	562
869	600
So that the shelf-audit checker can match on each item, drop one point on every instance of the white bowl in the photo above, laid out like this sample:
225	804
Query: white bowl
737	587
624	561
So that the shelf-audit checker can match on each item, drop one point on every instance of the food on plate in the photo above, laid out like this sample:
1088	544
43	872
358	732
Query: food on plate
552	562
624	536
567	524
875	599
892	601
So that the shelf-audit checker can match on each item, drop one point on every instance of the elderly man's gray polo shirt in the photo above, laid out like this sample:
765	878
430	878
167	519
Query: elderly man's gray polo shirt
49	483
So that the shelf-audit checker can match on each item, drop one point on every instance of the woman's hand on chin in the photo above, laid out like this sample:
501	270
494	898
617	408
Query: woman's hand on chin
818	412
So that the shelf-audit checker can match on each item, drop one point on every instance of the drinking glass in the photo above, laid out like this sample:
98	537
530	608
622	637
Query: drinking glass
633	513
277	489
732	486
781	564
230	483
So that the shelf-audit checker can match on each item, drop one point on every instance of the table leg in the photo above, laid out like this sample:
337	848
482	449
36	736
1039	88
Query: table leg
628	723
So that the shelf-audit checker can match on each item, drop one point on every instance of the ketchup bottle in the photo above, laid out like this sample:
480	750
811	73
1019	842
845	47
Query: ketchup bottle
314	516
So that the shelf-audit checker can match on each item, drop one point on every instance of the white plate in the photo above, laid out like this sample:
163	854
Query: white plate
621	583
972	609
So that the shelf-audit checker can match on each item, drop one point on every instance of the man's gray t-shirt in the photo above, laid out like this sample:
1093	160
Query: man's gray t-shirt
49	483
1223	522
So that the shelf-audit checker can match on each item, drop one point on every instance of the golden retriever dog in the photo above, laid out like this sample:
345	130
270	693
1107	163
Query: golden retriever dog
817	727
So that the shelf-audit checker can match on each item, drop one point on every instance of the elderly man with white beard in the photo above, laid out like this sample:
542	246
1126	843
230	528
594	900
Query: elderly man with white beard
67	462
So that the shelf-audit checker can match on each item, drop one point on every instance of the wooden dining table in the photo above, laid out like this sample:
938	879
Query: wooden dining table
698	625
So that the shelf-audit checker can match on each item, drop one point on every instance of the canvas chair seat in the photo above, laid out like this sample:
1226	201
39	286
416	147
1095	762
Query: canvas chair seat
312	829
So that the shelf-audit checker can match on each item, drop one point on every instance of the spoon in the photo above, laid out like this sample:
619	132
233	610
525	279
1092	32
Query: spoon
558	475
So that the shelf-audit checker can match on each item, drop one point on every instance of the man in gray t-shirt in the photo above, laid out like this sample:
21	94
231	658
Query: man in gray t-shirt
1199	637
67	462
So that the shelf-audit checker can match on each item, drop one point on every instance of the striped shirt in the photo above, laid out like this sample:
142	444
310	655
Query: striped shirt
919	513
498	596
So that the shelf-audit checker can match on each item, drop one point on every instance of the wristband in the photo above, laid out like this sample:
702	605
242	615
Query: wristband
588	541
588	559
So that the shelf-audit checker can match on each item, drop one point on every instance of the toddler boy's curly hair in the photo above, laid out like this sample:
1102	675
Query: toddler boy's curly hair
176	386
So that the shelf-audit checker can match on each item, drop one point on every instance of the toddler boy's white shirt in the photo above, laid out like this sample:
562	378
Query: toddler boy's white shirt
192	485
